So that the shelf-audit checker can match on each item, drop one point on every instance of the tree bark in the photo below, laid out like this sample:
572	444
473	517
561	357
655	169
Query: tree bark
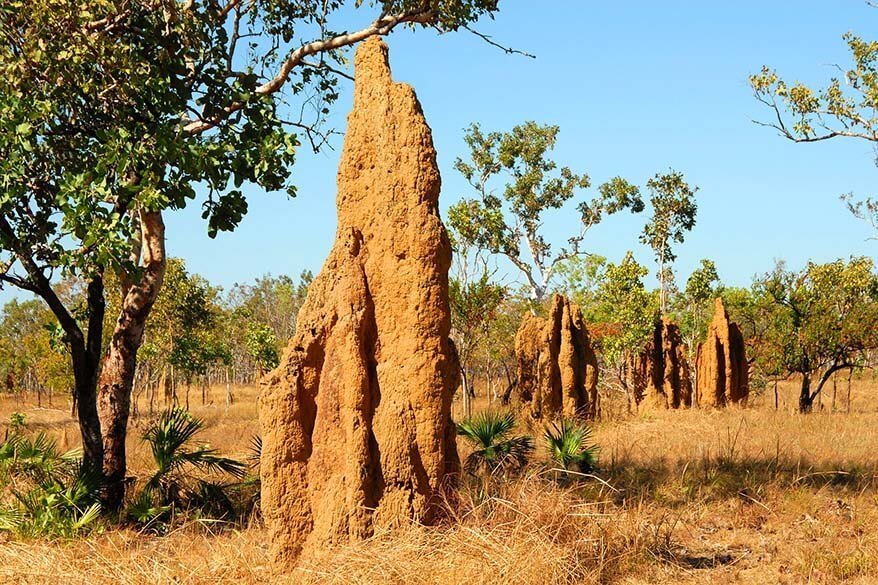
117	376
85	376
465	394
848	405
806	401
86	357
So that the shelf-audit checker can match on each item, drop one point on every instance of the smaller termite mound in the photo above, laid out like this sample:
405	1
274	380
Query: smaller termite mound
557	367
658	377
721	363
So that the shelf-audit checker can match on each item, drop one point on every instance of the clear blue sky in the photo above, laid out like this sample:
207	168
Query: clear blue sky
636	87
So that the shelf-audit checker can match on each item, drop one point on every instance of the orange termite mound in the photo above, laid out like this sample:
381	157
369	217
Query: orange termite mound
356	420
721	365
659	376
557	368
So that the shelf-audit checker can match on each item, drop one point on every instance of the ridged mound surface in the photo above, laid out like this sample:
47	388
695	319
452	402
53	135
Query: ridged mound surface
356	421
721	365
659	375
557	368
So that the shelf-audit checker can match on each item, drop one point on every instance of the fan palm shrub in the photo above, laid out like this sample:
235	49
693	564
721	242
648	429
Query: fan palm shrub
570	447
181	480
49	493
495	447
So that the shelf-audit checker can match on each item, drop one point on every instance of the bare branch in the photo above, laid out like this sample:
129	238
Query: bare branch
493	43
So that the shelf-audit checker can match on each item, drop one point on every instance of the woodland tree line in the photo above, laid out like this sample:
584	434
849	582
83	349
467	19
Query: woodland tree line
199	336
203	341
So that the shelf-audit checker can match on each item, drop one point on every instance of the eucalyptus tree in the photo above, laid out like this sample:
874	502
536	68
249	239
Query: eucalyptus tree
627	310
847	107
114	113
694	307
579	279
673	214
504	223
474	305
271	300
823	318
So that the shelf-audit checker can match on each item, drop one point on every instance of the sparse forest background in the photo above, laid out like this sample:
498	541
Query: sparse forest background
200	336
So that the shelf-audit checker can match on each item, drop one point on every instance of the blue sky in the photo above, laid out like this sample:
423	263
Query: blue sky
636	87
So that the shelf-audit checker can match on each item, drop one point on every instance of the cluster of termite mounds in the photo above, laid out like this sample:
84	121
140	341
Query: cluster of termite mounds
660	376
356	420
557	367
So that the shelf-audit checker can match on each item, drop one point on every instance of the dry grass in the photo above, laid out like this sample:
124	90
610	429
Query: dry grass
749	496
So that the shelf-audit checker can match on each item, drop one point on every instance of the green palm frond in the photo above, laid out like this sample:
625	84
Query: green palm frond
255	450
87	516
509	455
495	449
52	494
144	511
174	429
36	457
487	428
175	485
213	498
11	519
569	444
207	460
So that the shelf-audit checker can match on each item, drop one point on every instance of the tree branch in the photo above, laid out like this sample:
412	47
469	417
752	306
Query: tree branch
493	43
382	26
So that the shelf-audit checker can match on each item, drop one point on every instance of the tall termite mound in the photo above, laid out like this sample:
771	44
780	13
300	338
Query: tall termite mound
659	376
356	420
557	368
721	364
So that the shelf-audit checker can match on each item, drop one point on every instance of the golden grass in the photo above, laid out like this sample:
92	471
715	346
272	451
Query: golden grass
739	496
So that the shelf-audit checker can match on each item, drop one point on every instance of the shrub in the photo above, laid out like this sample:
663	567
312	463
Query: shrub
568	441
52	493
181	479
496	448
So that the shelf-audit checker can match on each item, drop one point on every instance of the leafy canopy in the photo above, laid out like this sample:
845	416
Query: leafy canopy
626	307
847	107
694	307
823	317
93	96
111	108
673	214
534	185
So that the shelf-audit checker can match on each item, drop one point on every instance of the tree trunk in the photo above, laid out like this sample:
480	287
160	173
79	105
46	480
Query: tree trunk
117	377
85	353
806	401
848	405
229	398
85	348
465	394
85	376
663	302
151	396
834	390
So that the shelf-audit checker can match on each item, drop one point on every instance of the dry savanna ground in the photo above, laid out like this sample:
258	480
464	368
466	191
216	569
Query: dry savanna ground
741	496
